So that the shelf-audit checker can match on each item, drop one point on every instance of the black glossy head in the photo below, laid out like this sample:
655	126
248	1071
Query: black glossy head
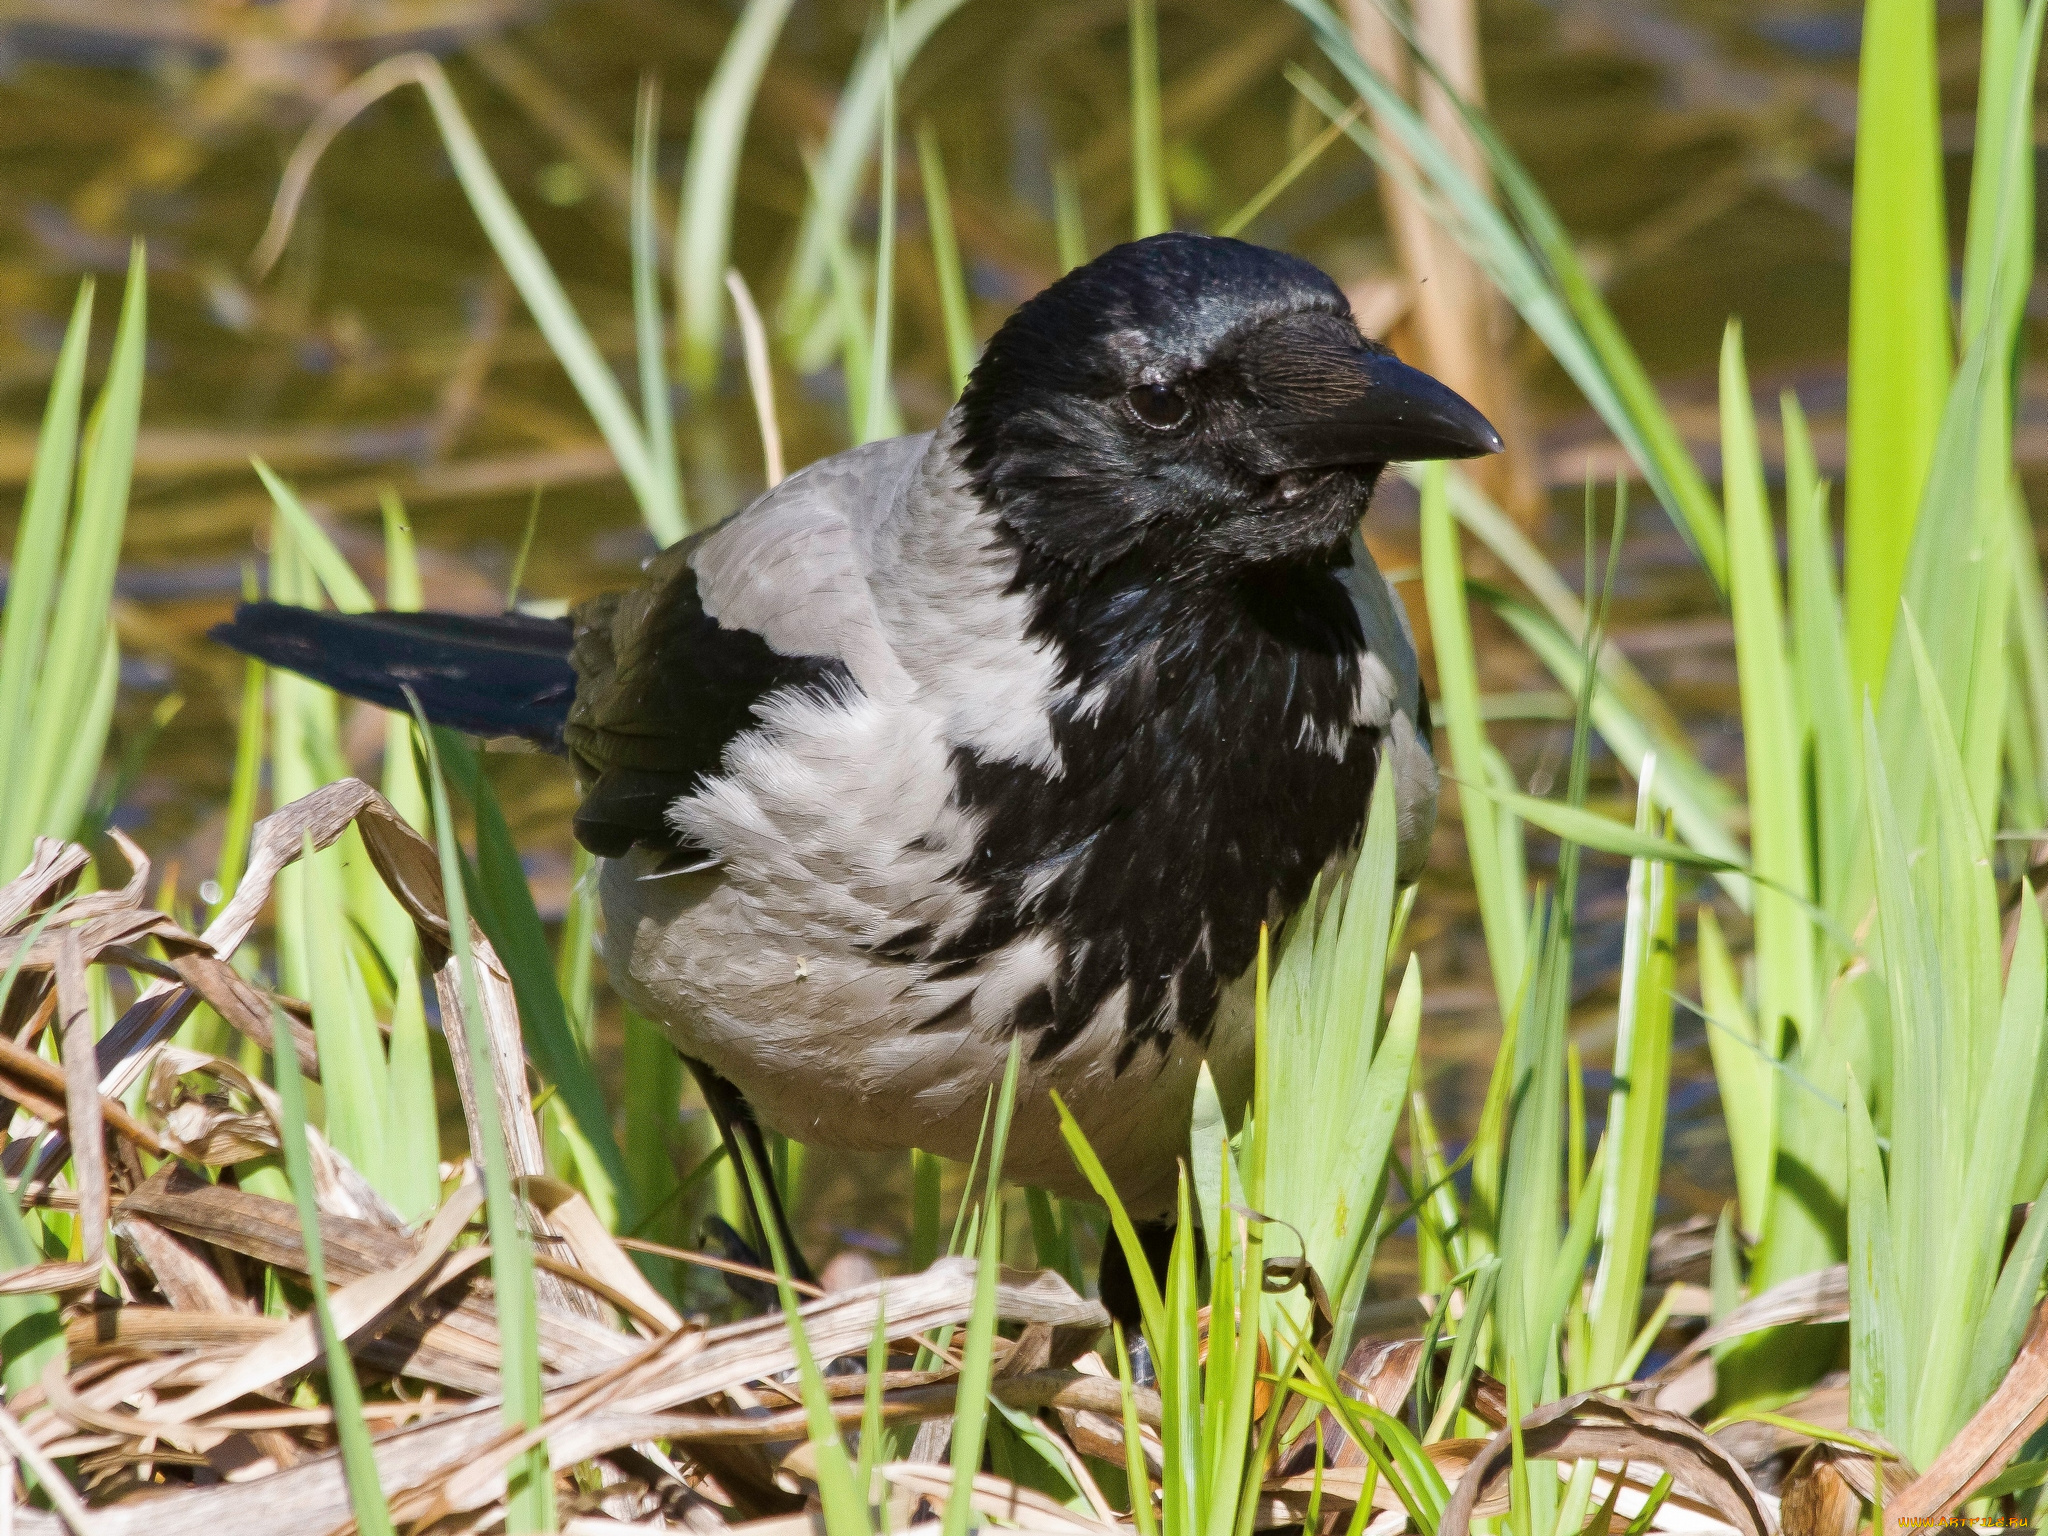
1207	403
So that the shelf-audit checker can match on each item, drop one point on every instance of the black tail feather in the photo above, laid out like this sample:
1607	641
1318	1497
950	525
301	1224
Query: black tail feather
489	675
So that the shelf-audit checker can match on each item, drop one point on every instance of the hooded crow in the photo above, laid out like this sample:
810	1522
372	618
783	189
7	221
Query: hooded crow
1021	727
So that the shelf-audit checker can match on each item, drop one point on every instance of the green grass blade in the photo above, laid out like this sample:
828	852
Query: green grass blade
1898	316
841	167
345	1392
1876	1324
531	1504
1698	802
79	644
2005	1320
1995	1161
242	789
1636	1107
1151	1306
1914	1189
1137	1469
345	589
1501	909
354	1079
970	1410
1050	1241
1150	212
880	421
505	909
961	349
1069	223
1749	1088
32	576
842	1500
1532	567
415	1117
1824	682
1289	173
83	743
1208	1155
711	185
1602	834
31	1326
651	1114
1779	837
650	342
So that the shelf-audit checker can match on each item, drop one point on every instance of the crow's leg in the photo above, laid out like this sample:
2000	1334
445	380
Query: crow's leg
738	1129
1113	1282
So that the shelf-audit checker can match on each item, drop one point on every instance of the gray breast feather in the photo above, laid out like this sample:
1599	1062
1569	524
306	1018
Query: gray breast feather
794	568
883	558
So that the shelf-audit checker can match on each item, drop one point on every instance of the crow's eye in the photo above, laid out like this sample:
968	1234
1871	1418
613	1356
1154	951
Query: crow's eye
1159	406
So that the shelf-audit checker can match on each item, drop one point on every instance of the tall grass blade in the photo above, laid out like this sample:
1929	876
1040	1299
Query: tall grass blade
344	1391
532	1496
1876	1324
1539	274
521	254
1898	316
1501	901
842	1501
711	182
841	167
880	423
1069	223
961	349
505	909
1150	212
1636	1106
32	579
650	342
970	1412
77	662
1770	735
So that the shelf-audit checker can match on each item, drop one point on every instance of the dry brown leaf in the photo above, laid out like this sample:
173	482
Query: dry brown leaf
451	1339
49	1279
1287	1498
996	1498
129	1330
1821	1297
312	1496
338	1186
24	1068
71	1511
1590	1426
355	1307
1825	1492
595	1249
53	868
82	1098
1985	1445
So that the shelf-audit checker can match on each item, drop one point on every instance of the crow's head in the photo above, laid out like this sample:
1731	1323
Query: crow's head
1200	404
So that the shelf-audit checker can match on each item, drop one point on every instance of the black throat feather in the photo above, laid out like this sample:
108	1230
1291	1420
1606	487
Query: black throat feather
1209	768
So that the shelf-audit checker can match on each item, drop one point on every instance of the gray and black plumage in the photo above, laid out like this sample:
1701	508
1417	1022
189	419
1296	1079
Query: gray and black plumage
1018	727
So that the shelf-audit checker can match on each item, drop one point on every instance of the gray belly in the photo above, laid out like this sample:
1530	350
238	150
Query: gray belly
831	1045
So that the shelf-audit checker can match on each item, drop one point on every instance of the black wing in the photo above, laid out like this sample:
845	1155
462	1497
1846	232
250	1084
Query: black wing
663	687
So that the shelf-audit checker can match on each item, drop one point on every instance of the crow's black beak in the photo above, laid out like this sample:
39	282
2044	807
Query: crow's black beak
1334	405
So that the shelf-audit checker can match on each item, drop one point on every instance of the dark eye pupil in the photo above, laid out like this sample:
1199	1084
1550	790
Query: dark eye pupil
1158	405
